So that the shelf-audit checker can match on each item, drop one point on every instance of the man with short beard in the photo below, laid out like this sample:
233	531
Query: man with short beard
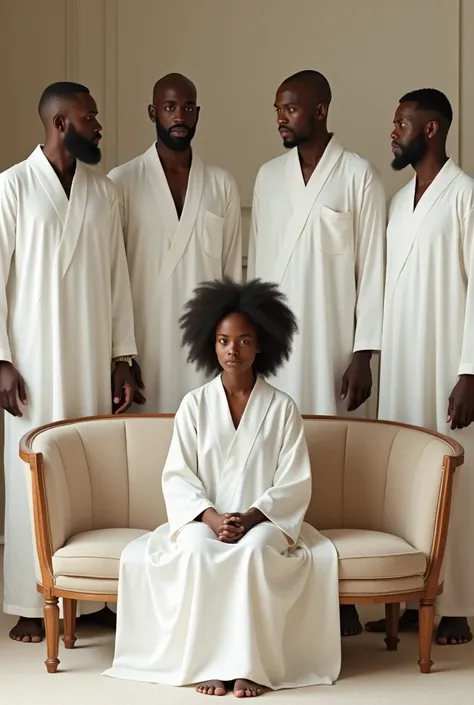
318	231
427	365
65	313
182	226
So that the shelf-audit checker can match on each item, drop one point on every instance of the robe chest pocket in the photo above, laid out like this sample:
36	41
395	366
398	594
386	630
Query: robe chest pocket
335	231
212	234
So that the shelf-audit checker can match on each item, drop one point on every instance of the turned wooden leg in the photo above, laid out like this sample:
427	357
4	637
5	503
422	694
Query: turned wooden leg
51	625
70	611
427	615
392	615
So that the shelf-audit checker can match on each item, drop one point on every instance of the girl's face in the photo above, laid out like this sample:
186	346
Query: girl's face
236	344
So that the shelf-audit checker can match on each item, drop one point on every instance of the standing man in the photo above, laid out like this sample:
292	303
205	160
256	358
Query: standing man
427	366
318	230
65	312
182	226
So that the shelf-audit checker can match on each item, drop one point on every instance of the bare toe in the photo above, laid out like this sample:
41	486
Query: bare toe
453	631
244	688
214	687
27	631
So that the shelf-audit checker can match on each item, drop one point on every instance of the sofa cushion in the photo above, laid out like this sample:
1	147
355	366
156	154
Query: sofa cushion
373	555
94	554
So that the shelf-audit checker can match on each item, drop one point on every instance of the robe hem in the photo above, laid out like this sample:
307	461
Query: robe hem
28	613
466	369
150	677
443	611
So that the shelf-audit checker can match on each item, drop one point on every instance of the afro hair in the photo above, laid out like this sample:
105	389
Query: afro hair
260	302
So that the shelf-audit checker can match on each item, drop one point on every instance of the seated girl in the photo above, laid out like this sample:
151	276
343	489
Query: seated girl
236	591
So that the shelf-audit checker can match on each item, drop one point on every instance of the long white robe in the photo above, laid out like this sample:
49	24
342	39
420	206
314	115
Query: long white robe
323	244
168	257
191	608
65	311
428	340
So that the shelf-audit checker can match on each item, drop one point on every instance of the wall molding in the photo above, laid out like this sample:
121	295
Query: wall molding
73	36
110	74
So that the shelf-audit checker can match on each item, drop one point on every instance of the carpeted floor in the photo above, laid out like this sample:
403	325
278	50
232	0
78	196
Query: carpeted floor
370	676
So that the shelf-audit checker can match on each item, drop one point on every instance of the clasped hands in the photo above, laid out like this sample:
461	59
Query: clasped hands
230	527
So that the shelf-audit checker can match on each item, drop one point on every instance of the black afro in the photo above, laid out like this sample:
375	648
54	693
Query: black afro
261	302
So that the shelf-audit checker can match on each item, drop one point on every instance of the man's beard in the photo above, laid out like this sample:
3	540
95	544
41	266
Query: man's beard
296	139
81	148
171	141
410	154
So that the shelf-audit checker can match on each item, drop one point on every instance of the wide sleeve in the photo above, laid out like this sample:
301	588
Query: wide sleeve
8	208
232	236
252	249
370	266
286	502
466	365
123	336
183	491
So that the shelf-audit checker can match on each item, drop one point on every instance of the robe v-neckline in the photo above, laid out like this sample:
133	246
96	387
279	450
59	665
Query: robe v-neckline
227	436
229	416
70	211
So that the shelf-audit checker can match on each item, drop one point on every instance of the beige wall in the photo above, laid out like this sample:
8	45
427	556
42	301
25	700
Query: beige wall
237	53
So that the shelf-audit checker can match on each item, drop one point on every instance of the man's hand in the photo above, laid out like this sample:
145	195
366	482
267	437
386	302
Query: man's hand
461	403
224	526
357	380
12	388
123	387
138	397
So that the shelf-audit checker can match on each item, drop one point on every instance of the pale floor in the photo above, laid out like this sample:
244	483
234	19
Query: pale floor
370	676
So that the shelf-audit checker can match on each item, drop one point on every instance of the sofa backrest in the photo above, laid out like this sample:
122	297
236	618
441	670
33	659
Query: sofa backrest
106	473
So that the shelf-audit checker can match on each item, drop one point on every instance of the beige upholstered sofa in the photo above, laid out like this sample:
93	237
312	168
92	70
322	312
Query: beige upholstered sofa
381	493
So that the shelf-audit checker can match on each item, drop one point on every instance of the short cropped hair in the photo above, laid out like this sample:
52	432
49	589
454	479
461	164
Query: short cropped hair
61	89
262	303
432	100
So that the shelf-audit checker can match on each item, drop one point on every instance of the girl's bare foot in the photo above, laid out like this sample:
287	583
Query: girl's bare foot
247	689
211	688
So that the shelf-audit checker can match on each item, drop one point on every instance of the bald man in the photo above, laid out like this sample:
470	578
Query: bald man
182	225
66	311
318	229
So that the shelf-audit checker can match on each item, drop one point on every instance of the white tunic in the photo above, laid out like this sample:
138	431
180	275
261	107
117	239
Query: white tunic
192	608
323	243
428	340
168	257
66	311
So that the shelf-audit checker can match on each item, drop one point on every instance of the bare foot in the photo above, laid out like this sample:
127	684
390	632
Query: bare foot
28	631
350	622
211	688
453	630
408	623
104	618
247	689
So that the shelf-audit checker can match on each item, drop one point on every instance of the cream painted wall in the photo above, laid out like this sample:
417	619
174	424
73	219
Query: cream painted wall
237	53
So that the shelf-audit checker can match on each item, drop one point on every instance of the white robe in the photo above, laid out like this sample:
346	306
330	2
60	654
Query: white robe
323	244
191	608
66	311
168	257
428	340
